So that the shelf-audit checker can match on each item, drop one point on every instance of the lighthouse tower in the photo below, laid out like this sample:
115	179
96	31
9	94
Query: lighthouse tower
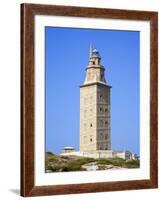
95	107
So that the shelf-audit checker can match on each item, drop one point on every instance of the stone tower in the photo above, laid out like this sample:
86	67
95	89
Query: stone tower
95	107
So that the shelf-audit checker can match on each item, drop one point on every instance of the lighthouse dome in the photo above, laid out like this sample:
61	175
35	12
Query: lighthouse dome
95	53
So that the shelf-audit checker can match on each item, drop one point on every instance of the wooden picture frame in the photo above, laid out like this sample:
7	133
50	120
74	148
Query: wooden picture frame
28	12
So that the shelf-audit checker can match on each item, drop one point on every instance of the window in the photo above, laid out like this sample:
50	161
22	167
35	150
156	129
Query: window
101	97
90	124
101	109
105	109
101	147
90	139
106	122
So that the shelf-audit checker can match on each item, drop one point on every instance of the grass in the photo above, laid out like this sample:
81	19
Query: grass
111	161
57	163
132	163
76	165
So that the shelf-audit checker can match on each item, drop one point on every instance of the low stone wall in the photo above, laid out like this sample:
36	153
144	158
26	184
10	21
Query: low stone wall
101	154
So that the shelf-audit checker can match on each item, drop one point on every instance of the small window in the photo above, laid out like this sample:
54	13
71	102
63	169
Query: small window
105	109
93	63
101	109
101	97
106	122
90	139
100	147
91	125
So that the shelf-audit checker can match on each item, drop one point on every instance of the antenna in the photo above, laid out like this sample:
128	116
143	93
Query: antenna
90	53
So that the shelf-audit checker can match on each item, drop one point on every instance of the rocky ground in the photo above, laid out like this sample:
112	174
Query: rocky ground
58	163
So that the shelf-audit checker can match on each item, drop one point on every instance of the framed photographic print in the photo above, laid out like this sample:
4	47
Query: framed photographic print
88	99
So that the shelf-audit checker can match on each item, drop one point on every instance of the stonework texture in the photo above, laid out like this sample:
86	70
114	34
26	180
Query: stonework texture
95	107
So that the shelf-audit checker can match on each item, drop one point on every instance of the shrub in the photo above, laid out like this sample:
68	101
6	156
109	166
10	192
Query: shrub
132	164
111	161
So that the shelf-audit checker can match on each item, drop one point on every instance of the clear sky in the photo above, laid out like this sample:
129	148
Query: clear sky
67	54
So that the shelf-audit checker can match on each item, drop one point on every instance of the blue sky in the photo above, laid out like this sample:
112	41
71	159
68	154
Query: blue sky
67	54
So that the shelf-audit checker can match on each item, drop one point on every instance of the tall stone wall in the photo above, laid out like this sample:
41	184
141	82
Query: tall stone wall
95	117
88	120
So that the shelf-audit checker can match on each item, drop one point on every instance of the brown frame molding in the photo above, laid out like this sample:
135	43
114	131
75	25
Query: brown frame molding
28	11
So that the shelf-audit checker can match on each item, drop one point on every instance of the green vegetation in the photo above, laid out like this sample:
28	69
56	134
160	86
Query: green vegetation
119	162
132	163
58	163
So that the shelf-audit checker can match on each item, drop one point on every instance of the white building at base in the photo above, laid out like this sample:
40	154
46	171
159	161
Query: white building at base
101	154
